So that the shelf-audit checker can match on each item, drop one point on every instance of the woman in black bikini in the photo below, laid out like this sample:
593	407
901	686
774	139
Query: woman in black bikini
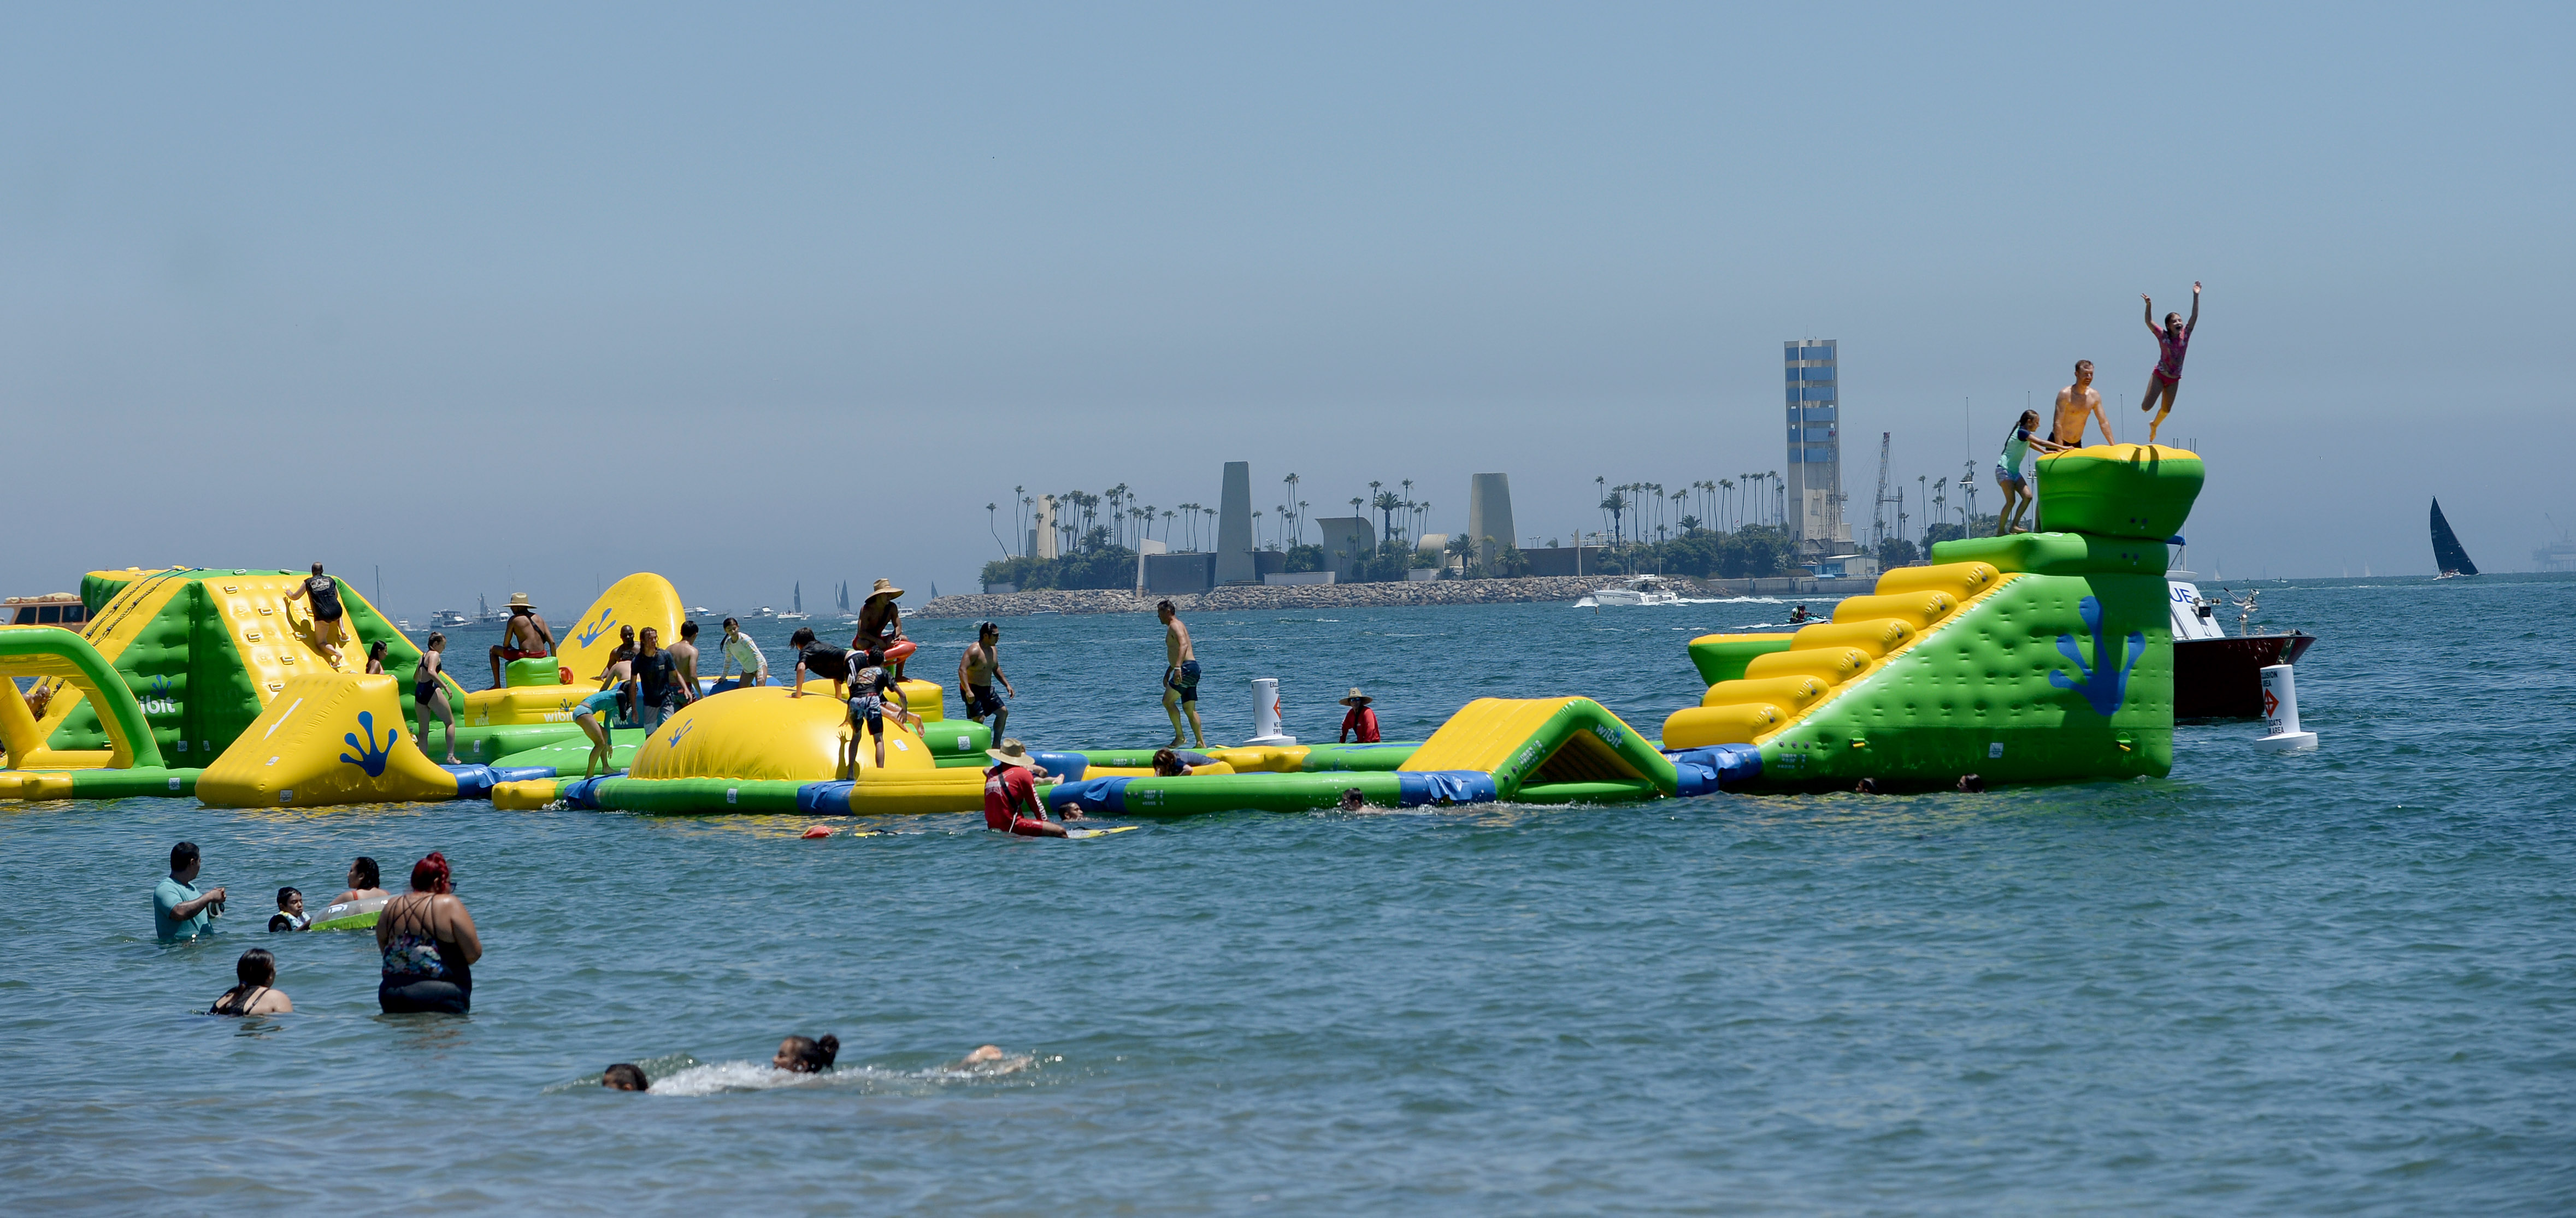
429	946
428	693
258	993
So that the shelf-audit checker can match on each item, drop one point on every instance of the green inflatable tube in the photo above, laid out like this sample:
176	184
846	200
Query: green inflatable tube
1723	659
110	687
1586	792
128	784
2058	554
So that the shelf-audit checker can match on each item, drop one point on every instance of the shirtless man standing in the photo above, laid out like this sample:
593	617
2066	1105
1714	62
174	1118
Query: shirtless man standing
525	638
2074	403
976	672
685	654
1180	675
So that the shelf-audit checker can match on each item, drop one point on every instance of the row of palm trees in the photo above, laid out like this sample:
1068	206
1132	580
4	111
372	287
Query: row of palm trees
1631	511
1192	526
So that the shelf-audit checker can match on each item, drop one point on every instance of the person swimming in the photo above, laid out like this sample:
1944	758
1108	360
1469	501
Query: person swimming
625	1076
258	993
290	911
802	1055
364	882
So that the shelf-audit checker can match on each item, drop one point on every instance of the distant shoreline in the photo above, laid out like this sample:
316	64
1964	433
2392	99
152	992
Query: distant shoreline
1338	596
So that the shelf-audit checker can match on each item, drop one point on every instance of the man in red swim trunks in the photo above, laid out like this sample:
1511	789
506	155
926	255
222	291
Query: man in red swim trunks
1011	794
525	638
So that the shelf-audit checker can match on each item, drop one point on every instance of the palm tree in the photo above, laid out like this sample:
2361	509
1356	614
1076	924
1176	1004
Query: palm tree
1168	517
1387	503
1294	526
1616	505
1019	518
993	525
1463	548
1779	492
1210	513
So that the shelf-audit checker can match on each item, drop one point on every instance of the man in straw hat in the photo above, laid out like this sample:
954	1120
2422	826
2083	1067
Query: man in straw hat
880	622
525	638
1360	719
1011	794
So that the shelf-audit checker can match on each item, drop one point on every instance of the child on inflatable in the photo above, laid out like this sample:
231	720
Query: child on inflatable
2172	339
868	689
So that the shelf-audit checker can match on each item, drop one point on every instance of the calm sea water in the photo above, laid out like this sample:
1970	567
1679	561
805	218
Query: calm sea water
2342	982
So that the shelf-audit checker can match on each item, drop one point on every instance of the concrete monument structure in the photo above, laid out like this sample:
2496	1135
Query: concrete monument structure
1234	563
1489	514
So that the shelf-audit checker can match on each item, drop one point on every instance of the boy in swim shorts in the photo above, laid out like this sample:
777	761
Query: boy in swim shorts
977	669
1180	675
868	689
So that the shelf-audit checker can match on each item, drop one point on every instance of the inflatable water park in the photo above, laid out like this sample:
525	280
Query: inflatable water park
2044	656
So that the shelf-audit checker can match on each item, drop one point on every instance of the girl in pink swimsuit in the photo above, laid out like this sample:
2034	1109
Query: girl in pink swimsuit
2172	339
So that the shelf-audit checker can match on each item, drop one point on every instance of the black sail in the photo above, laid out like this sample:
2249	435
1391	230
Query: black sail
2447	553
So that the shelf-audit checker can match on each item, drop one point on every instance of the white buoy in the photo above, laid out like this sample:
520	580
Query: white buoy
1265	713
2281	732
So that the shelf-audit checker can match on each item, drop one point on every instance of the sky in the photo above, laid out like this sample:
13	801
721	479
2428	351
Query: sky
496	298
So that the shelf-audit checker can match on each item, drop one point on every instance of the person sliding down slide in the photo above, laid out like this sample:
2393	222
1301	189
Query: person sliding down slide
2171	340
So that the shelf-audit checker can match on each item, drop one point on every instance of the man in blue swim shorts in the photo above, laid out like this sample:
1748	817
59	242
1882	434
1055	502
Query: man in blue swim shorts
1180	674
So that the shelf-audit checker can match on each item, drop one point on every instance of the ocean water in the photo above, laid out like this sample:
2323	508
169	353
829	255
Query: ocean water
2342	982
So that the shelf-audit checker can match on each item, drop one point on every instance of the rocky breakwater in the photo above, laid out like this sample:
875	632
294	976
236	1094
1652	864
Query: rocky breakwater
1300	596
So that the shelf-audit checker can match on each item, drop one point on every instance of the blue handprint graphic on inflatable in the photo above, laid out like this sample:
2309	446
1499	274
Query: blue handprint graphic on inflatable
371	755
2102	687
590	634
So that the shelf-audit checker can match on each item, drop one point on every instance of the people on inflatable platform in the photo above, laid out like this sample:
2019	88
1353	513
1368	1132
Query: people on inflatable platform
881	622
257	993
376	658
180	911
1011	794
868	689
684	654
526	637
820	658
429	945
322	594
585	715
803	1055
429	694
1180	674
653	682
2076	404
2008	475
2172	339
1359	720
977	669
290	912
364	883
743	656
1177	763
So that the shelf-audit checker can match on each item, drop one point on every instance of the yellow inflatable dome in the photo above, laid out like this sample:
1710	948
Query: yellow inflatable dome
764	733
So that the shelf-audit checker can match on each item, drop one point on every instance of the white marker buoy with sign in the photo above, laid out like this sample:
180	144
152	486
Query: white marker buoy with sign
2281	732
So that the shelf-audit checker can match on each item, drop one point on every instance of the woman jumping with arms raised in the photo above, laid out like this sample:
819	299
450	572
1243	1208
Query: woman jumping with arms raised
2171	339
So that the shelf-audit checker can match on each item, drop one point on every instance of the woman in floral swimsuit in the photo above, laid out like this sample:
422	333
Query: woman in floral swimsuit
429	945
2171	339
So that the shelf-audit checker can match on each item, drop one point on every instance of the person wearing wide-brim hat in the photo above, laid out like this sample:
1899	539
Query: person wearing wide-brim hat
881	622
1011	794
526	637
1361	721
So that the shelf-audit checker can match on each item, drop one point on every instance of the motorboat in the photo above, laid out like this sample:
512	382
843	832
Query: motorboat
62	609
1638	590
445	618
2218	675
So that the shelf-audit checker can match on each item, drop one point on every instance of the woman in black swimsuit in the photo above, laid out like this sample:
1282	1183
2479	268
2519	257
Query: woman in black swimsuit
429	946
429	694
324	594
258	993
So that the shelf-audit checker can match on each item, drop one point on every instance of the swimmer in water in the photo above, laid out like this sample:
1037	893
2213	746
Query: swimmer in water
799	1055
363	882
989	1059
625	1076
258	993
1354	799
290	912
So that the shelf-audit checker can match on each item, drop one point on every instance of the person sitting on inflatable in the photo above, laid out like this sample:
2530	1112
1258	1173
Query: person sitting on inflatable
1009	787
1177	763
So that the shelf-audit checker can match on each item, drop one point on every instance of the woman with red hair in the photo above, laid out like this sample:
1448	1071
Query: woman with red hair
429	944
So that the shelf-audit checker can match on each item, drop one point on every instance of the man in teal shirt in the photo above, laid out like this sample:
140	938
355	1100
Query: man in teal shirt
179	911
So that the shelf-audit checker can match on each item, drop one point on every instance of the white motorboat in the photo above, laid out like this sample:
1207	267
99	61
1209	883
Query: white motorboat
1638	590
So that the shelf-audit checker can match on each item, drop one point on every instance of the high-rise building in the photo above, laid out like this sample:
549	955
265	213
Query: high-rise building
1814	480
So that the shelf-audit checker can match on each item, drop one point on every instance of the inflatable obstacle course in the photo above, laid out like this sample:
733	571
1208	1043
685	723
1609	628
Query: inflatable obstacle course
2025	658
331	739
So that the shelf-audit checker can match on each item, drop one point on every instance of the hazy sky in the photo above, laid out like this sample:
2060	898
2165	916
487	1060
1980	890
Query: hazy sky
511	297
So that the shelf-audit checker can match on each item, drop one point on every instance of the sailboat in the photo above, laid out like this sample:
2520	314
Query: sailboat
2447	552
798	613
